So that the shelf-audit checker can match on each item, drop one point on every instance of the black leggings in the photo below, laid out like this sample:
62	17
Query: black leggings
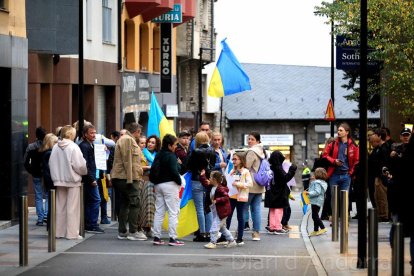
317	222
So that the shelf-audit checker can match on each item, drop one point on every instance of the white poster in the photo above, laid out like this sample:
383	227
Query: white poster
100	156
230	180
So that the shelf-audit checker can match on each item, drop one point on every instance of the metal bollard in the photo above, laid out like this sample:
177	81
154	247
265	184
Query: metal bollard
398	250
335	213
82	213
372	242
23	232
52	221
343	243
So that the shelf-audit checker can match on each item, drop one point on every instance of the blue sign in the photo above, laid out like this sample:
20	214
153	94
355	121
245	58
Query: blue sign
173	16
348	55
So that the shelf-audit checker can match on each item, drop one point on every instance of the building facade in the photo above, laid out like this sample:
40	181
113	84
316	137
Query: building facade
287	106
54	78
13	101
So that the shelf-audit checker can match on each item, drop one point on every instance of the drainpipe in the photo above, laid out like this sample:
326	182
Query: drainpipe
119	35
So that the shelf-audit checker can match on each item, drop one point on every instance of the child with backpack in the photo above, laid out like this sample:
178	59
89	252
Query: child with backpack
316	193
219	202
276	197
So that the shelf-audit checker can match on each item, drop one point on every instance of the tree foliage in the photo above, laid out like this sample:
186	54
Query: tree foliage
391	34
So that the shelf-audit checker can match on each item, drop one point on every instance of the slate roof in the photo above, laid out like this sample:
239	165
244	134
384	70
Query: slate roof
290	92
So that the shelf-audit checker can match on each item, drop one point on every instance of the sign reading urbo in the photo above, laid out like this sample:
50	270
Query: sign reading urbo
166	59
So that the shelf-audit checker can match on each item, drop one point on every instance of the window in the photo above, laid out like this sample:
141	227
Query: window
88	20
3	4
106	22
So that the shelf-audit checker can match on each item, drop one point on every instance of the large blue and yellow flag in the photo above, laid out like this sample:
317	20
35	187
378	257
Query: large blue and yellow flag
187	219
157	122
228	76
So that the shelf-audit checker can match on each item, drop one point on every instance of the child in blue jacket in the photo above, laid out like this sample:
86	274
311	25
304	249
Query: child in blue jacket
316	193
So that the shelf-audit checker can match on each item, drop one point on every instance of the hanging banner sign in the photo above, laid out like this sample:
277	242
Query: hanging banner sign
348	55
166	57
173	16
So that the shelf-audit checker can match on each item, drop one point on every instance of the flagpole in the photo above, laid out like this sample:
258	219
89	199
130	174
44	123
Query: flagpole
221	112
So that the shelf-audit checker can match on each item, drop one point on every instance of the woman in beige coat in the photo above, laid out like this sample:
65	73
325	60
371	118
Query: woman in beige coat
254	156
67	166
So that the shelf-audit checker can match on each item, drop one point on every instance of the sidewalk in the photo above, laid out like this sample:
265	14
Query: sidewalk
37	242
334	263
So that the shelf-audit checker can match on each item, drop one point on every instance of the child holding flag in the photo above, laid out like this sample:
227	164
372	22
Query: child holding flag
316	195
219	202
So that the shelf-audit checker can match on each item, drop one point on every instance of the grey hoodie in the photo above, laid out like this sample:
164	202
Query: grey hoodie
67	164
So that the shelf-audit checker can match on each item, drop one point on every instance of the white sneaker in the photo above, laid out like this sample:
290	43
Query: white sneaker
137	236
122	236
231	244
210	245
255	236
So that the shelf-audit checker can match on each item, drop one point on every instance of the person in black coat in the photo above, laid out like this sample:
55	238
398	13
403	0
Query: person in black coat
277	194
404	191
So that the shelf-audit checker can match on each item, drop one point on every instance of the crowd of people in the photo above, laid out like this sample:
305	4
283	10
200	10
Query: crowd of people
145	174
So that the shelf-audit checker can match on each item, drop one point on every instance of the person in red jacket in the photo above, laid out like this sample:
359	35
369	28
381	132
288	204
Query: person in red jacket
342	158
219	202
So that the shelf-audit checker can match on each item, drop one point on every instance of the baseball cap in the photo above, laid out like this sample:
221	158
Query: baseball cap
405	130
183	134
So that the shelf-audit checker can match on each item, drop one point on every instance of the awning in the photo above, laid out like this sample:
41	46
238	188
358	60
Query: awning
136	7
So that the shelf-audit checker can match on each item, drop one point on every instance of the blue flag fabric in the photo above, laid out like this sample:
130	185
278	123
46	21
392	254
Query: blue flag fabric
229	76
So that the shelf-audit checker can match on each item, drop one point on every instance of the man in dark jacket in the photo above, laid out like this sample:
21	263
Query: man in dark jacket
92	197
33	165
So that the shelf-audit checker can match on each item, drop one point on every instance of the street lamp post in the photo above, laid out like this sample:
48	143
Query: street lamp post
332	75
363	120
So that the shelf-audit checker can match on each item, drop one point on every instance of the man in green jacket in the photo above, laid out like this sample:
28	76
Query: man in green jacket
126	174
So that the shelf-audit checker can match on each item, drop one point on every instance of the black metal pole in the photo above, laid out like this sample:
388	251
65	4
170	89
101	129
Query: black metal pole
332	75
80	86
372	242
363	164
221	113
200	89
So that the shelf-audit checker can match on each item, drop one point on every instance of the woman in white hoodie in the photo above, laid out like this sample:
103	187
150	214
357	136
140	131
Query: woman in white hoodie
67	166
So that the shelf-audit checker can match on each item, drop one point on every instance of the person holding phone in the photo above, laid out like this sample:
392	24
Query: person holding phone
342	158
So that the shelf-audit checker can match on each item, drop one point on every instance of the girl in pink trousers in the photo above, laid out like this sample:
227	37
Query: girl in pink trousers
277	194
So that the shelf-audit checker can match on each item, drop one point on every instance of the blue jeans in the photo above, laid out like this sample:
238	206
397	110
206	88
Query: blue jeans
241	208
254	203
199	195
343	181
41	210
92	204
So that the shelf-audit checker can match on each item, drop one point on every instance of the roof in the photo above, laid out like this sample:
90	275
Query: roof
290	92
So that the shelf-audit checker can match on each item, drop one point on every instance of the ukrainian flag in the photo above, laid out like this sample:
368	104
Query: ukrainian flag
187	219
228	76
304	202
157	122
